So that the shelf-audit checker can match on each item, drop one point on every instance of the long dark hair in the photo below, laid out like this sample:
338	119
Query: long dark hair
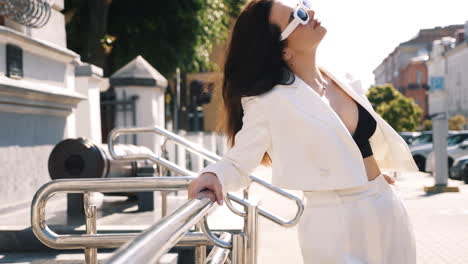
253	64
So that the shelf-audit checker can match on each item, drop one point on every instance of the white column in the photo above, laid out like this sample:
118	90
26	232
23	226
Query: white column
149	112
88	113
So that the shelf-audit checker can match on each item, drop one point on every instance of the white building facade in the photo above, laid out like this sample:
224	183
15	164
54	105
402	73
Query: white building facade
46	95
448	78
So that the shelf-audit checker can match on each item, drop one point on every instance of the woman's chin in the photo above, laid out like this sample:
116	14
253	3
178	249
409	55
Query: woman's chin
315	42
321	28
322	31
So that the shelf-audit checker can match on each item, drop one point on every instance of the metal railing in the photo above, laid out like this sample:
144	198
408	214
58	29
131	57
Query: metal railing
251	211
149	246
162	236
197	149
242	246
91	240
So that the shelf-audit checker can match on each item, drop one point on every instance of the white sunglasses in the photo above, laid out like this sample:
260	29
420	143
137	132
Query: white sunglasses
301	16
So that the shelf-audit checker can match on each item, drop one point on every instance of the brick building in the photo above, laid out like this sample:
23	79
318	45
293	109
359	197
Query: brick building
413	82
389	69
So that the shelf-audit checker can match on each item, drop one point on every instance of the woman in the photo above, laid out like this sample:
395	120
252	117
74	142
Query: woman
319	136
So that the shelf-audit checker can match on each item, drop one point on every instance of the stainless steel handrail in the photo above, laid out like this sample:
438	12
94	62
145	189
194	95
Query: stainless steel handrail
197	149
54	240
116	132
157	240
162	236
244	244
217	254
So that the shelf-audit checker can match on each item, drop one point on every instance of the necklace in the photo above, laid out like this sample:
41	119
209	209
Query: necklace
322	85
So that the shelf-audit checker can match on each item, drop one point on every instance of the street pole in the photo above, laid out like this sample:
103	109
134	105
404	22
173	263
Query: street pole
440	134
439	139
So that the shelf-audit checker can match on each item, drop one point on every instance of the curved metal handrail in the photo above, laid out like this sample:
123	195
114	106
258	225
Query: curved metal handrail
54	240
245	203
299	203
116	132
214	239
197	149
220	255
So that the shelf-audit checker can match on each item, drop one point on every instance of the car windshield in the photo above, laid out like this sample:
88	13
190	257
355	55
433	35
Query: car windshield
422	139
456	139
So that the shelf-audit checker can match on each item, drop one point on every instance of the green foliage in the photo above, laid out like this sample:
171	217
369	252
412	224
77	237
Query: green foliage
378	95
75	12
457	122
168	34
426	125
401	112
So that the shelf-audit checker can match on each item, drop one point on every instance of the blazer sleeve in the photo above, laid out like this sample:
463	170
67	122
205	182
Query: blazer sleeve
250	144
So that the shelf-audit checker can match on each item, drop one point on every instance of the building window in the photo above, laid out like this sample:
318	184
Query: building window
418	77
14	61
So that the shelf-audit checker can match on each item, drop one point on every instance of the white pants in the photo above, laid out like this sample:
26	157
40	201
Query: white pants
361	225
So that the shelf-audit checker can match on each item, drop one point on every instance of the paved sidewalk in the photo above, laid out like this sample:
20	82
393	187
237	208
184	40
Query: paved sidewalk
440	220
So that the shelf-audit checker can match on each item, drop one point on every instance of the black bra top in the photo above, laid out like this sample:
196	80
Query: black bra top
365	129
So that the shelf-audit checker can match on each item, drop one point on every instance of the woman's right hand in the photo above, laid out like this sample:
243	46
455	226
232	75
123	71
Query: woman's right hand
207	180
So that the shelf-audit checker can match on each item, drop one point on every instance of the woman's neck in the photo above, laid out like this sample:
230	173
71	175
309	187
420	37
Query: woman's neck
306	68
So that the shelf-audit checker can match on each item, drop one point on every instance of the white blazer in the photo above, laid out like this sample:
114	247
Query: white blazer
310	147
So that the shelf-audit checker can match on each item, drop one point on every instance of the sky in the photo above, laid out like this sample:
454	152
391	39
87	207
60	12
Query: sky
361	33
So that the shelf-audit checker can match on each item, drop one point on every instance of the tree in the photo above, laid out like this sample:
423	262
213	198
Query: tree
456	122
426	125
401	112
168	34
86	25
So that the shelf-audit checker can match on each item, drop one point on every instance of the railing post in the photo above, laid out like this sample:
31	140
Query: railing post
200	251
90	212
251	228
163	195
239	248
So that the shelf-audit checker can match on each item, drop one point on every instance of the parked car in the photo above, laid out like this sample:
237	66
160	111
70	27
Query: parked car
424	138
421	147
456	148
409	136
459	169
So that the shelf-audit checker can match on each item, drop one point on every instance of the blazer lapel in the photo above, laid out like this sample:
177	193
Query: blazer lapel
312	105
380	137
395	156
310	102
349	90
